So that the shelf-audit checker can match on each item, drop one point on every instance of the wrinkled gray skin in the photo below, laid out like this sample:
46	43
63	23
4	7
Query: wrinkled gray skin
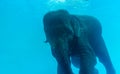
76	37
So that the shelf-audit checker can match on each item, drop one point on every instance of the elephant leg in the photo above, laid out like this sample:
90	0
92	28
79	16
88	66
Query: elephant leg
83	56
76	62
87	63
101	52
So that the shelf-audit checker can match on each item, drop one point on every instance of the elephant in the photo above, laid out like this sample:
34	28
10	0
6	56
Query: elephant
76	39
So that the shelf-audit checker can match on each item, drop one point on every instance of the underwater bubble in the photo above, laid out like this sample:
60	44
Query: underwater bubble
68	4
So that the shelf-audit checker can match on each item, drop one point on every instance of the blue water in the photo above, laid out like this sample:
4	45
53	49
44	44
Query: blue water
22	47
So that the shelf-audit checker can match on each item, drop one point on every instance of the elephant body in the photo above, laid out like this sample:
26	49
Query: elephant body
76	39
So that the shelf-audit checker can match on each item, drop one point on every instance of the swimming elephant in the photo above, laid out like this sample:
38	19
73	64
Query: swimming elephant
76	39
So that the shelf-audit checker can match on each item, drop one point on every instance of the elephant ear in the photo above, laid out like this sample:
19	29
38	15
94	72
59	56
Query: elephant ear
75	23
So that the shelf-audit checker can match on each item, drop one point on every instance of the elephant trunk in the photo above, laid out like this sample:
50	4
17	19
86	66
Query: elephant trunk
61	53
